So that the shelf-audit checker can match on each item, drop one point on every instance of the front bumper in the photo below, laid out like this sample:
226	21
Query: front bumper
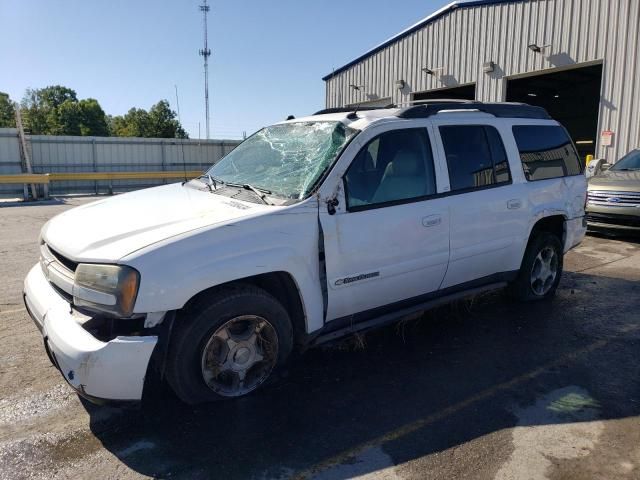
614	220
113	370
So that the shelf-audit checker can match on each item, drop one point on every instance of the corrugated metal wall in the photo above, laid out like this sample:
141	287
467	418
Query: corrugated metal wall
106	154
579	32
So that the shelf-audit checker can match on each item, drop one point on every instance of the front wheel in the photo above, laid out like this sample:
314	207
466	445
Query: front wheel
541	269
228	345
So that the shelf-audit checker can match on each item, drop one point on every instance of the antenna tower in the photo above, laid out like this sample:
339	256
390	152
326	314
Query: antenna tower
205	52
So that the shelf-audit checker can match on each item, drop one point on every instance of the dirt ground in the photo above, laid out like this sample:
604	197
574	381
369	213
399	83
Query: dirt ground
488	389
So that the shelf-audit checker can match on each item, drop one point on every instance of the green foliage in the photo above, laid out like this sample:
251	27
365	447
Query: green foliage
94	120
7	112
159	122
56	110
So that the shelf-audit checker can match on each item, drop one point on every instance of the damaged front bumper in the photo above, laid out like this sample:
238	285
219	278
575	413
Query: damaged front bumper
111	370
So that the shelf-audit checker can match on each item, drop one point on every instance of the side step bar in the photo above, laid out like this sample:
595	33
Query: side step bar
399	314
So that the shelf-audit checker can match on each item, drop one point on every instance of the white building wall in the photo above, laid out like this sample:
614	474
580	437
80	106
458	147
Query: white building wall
460	41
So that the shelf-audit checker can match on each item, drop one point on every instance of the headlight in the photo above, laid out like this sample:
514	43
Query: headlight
108	288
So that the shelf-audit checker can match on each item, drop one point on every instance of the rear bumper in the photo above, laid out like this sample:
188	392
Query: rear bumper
575	230
99	371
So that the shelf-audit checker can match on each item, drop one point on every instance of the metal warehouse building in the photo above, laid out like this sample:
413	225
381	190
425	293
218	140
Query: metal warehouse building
576	58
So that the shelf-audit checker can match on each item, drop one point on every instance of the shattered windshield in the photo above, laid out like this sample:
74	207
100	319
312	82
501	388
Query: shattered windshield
286	159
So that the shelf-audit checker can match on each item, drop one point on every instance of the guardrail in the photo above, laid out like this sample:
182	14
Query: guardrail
45	178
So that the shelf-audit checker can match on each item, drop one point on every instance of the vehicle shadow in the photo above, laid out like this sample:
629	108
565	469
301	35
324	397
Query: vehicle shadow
412	389
629	237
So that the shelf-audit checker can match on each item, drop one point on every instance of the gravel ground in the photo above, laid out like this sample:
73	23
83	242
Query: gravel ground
481	389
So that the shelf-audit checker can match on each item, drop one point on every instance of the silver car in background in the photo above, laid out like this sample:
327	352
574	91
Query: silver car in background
613	199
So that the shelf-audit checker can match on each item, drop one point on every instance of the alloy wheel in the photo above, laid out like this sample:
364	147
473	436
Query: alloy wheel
240	355
544	271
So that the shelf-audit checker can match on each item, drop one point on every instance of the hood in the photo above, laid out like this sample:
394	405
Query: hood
621	181
109	229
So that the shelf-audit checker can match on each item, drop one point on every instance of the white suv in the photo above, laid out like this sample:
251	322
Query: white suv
310	230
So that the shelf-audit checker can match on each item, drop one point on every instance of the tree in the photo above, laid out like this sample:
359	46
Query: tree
93	118
55	110
135	123
159	122
34	112
65	119
164	123
7	112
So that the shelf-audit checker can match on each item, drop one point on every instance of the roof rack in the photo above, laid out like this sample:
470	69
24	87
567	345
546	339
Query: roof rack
352	108
504	109
437	100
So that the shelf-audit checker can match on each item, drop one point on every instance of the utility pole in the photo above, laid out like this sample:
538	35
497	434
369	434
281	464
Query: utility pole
178	104
206	52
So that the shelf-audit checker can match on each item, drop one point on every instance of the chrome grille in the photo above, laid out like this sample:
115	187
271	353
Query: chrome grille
70	264
59	274
609	198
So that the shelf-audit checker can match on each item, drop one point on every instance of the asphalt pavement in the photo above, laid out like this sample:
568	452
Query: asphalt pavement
483	389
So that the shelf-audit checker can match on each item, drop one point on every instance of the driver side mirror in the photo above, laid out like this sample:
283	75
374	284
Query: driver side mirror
605	166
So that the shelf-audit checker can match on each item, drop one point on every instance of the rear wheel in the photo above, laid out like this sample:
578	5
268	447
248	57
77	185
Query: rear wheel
228	345
541	269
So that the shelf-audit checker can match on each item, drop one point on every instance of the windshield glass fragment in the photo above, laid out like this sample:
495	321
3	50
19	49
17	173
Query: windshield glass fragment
286	159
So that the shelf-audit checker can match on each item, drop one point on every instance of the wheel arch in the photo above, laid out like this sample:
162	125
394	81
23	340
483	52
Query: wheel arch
279	284
554	223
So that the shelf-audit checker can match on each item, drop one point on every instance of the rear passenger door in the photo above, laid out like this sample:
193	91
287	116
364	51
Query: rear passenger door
487	215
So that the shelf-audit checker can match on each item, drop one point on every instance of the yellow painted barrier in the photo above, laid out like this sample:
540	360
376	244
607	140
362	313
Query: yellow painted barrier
25	178
122	175
46	178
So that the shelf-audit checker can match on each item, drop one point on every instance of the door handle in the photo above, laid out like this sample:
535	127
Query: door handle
431	221
514	204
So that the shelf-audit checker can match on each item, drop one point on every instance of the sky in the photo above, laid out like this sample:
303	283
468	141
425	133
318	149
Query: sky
268	57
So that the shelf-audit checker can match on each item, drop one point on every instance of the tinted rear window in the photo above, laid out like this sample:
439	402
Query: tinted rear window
475	156
546	151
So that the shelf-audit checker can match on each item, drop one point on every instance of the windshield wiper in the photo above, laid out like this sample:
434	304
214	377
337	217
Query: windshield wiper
260	192
212	181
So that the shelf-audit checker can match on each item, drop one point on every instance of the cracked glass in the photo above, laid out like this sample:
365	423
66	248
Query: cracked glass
286	159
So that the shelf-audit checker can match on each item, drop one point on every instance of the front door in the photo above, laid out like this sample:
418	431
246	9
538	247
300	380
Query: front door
387	240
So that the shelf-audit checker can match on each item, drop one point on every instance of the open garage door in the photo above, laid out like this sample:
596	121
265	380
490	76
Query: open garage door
378	102
464	92
570	96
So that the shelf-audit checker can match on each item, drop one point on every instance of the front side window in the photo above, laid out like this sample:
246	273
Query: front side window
287	160
394	167
546	151
475	155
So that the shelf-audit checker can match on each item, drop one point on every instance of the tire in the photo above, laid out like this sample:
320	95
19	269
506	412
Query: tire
542	259
235	329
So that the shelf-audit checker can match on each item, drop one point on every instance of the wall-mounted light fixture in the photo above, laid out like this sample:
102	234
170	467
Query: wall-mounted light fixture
357	88
433	71
535	48
488	67
401	84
